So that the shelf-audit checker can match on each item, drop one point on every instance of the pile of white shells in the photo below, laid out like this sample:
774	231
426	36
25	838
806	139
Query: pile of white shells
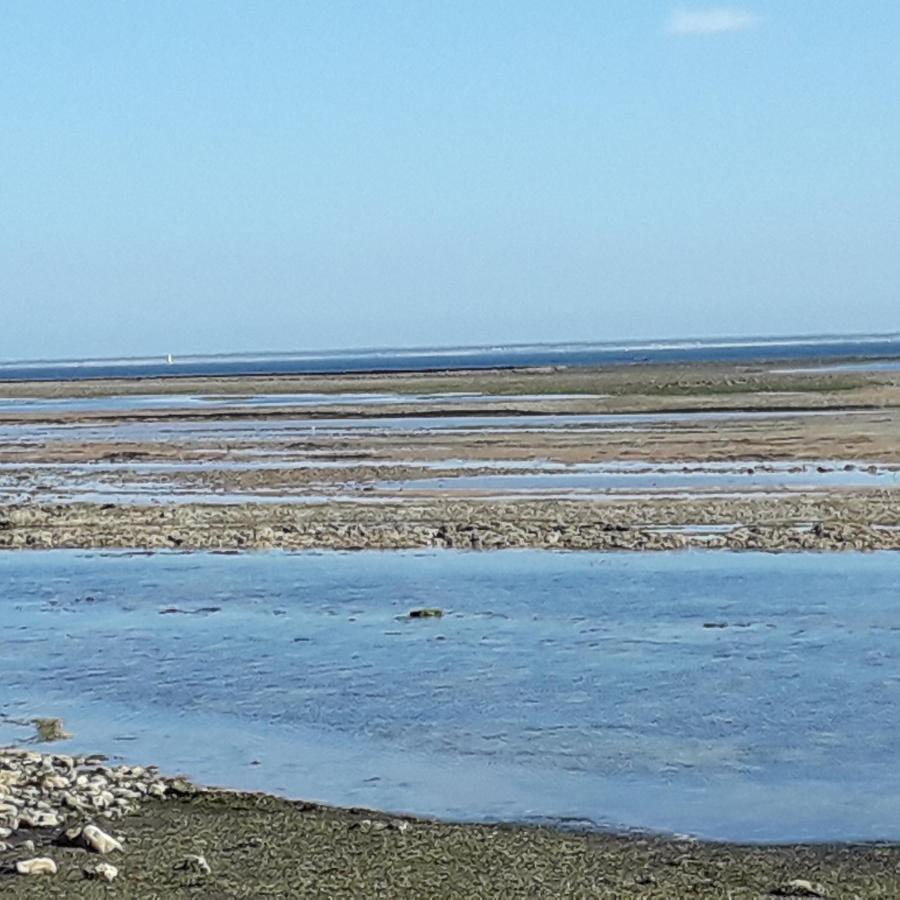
68	794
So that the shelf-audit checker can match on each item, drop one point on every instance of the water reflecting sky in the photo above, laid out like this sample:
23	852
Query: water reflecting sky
742	696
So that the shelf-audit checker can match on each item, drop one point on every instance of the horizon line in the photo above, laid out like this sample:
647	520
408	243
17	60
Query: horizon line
623	344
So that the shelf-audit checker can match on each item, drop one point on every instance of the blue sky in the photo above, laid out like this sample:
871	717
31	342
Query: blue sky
213	176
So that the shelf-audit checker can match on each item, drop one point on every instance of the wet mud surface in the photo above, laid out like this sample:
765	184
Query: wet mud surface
788	460
260	846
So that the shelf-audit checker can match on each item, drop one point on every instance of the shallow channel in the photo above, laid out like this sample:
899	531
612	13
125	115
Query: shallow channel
742	696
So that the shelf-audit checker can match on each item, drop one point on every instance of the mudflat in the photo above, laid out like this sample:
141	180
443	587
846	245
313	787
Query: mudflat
572	458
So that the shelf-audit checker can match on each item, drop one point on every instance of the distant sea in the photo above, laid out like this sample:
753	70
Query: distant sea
798	350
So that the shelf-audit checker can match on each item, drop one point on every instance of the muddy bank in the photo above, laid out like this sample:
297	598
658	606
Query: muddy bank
851	521
656	378
180	840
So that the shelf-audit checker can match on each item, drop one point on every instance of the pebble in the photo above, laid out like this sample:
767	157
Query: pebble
99	841
195	863
40	865
400	825
38	819
102	871
799	887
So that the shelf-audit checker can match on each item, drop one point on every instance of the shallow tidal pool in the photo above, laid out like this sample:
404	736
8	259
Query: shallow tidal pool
746	696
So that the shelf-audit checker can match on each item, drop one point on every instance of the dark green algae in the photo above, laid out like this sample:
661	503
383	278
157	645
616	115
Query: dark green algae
262	846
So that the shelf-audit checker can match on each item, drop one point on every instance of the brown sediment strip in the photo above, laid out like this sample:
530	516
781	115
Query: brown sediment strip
852	520
255	845
662	379
862	438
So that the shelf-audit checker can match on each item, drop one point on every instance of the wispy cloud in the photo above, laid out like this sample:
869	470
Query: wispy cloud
711	20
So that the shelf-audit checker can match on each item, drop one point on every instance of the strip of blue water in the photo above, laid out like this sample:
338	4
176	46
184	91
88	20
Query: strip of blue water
732	696
806	348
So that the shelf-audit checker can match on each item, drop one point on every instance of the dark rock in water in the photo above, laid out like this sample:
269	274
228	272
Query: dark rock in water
201	610
426	613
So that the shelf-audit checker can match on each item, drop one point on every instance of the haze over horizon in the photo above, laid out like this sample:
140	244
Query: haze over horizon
230	177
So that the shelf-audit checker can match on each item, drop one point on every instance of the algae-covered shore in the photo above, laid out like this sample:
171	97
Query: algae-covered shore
255	845
817	522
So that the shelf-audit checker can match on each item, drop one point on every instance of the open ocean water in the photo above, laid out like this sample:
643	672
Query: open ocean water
798	350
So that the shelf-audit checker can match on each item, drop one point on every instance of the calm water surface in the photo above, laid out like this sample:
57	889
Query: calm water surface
735	696
136	482
733	476
807	348
262	430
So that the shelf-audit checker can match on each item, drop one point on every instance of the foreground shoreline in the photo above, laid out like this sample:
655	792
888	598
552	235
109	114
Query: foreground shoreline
259	845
